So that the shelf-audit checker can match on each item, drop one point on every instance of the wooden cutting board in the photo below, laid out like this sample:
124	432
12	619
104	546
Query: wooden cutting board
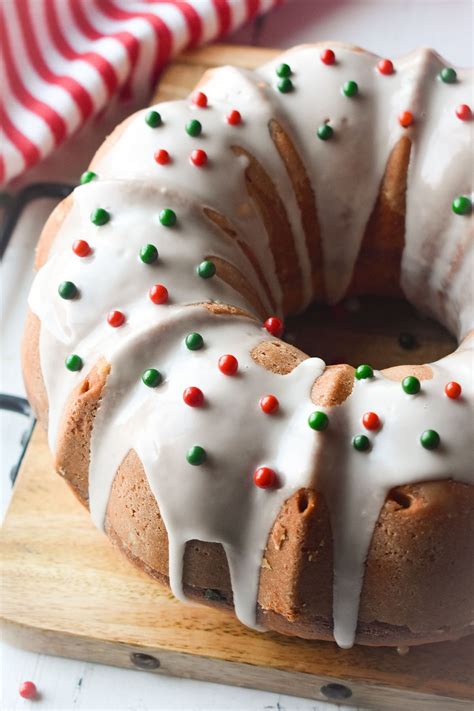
66	591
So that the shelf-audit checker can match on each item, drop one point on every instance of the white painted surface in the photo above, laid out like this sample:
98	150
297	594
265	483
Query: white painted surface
389	27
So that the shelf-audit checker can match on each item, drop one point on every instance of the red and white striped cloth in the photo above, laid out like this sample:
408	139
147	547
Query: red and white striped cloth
64	60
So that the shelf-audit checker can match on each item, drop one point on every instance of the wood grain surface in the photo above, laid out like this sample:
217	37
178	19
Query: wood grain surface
67	591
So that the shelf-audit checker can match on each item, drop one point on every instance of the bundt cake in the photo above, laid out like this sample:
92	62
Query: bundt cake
323	502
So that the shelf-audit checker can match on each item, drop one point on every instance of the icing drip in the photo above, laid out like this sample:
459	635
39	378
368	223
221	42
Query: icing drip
345	171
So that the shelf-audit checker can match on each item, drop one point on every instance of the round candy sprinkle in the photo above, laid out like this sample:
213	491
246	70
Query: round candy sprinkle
464	112
194	341
234	118
87	176
327	56
411	385
385	66
407	341
283	70
148	253
462	205
67	290
275	326
325	132
28	690
364	371
198	157
448	75
196	455
453	390
81	248
361	443
430	439
153	119
167	217
350	88
285	85
193	128
158	294
115	319
200	99
269	404
318	421
264	478
406	119
152	377
100	216
228	364
371	421
73	362
162	157
194	397
206	269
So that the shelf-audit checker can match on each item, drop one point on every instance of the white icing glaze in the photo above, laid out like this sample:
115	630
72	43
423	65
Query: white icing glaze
346	173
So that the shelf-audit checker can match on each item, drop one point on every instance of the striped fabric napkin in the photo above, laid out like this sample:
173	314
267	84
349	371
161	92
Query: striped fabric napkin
64	61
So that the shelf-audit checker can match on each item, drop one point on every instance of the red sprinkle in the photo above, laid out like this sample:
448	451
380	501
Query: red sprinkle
275	326
198	157
453	390
194	397
200	99
28	690
328	56
228	364
158	294
406	119
81	248
385	66
269	404
264	477
463	112
234	117
162	156
371	421
115	318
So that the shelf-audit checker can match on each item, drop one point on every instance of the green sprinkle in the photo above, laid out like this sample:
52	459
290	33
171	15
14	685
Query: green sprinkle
462	205
448	75
364	371
411	385
67	290
206	269
152	377
87	176
283	71
148	254
318	420
196	455
350	88
325	132
153	119
361	443
285	85
430	439
74	362
100	216
194	341
194	128
168	217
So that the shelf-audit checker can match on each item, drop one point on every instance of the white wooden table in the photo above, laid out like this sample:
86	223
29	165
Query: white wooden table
388	27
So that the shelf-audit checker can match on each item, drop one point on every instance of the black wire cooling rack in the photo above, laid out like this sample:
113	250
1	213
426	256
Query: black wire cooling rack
13	206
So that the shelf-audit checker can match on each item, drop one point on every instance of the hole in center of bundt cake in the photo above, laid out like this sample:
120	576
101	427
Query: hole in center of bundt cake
383	332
